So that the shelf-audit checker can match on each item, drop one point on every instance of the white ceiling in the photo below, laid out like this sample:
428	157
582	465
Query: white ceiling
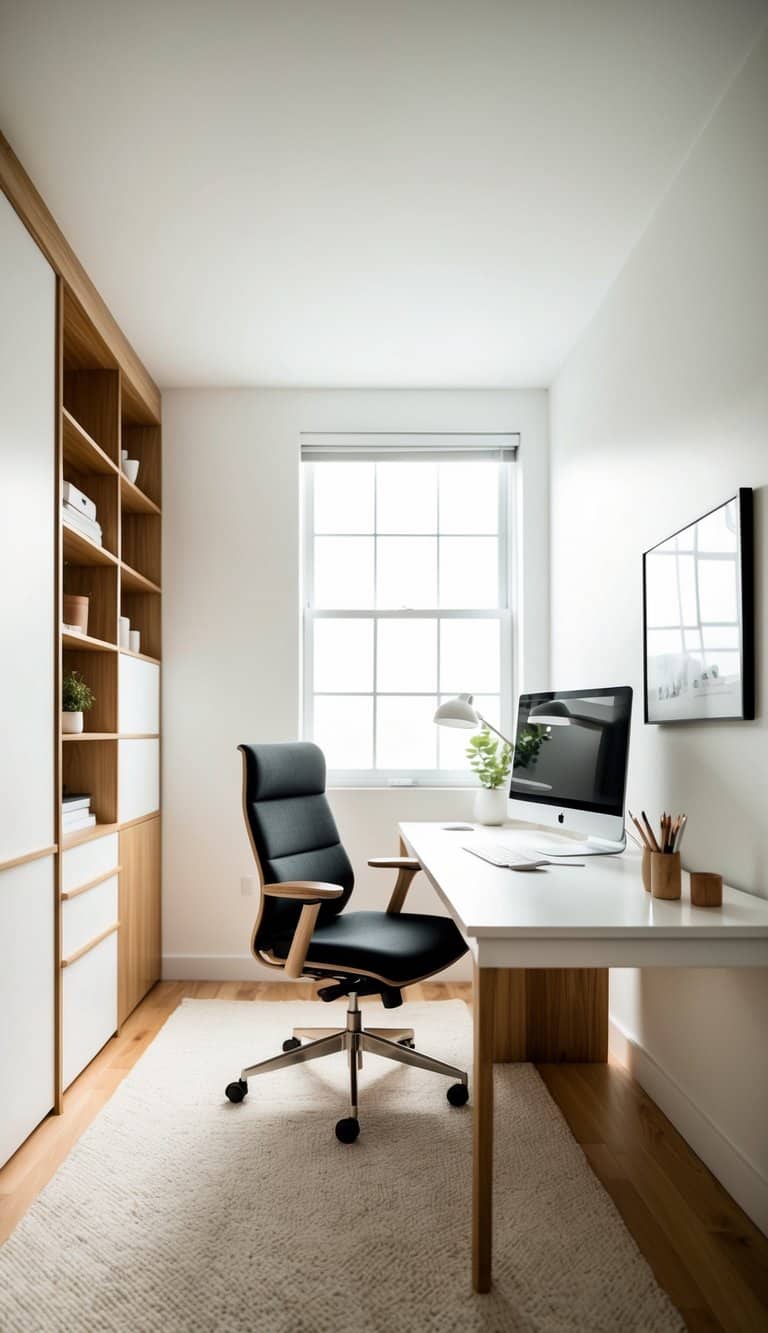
359	192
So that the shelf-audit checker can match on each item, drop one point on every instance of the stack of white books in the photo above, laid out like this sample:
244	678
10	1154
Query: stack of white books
79	513
76	812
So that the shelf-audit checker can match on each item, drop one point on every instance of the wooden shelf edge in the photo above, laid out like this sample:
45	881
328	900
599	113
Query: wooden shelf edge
86	643
140	819
82	546
86	834
90	446
89	736
135	500
136	582
142	657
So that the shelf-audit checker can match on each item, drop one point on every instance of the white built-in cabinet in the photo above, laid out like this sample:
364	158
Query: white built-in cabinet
28	963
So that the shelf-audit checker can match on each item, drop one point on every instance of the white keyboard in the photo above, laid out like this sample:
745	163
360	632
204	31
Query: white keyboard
506	858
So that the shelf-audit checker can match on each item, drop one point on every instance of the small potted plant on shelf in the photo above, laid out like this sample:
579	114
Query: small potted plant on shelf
491	760
76	698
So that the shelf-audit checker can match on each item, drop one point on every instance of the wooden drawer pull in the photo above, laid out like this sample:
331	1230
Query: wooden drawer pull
86	948
83	888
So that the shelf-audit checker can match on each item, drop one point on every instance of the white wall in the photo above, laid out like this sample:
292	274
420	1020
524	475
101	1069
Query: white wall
659	414
231	635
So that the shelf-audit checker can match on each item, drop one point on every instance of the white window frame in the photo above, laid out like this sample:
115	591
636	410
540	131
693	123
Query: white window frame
378	448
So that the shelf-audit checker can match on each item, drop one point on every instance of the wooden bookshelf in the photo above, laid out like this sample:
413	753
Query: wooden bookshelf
103	411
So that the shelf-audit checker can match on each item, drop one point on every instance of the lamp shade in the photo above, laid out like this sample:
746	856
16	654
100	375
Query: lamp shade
457	712
556	713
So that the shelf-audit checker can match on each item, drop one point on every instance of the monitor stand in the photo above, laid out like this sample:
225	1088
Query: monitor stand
592	846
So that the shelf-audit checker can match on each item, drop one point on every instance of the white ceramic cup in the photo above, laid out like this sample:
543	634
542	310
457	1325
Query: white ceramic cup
135	641
131	468
125	632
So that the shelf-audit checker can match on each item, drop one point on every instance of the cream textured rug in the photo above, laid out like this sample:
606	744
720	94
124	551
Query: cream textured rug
178	1212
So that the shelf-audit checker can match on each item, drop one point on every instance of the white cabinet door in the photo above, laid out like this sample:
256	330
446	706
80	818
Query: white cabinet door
138	778
89	1006
27	467
26	1000
139	697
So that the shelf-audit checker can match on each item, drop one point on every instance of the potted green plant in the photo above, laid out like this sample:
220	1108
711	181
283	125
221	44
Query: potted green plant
76	698
491	760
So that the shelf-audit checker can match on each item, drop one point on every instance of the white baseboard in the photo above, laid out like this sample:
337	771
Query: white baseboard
242	967
742	1179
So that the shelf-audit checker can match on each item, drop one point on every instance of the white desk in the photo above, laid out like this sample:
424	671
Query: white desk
542	943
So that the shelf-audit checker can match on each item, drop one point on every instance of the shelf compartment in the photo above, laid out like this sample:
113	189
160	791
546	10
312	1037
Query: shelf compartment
144	612
141	549
134	500
92	397
92	768
144	442
104	492
85	643
99	582
133	581
80	550
82	452
99	671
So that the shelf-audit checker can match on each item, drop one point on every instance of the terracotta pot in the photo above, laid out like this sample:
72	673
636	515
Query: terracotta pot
75	611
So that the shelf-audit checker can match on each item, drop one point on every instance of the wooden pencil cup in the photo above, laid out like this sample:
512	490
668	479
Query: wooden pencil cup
706	889
665	874
645	869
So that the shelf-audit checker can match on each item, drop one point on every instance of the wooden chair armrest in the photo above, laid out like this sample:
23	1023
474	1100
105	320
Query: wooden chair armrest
304	890
395	863
406	867
312	893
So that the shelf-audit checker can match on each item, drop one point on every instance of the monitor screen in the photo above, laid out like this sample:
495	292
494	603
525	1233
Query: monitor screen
571	749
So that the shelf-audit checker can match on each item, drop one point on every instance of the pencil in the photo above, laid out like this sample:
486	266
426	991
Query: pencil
639	828
651	835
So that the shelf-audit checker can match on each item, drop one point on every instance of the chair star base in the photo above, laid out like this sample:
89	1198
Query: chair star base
390	1043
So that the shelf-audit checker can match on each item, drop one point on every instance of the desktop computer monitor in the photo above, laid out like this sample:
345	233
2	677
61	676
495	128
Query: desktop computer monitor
570	763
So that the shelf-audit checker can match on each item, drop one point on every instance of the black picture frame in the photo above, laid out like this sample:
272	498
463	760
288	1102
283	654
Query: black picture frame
686	684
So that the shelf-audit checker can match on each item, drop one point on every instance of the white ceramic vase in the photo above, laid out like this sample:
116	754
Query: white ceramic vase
71	723
491	805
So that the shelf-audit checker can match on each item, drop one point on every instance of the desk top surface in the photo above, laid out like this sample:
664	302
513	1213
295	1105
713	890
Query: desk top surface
606	898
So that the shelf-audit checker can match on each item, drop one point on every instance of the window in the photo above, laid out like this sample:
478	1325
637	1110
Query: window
406	602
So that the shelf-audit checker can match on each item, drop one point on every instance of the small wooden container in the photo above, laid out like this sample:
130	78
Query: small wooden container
706	889
75	610
645	869
665	874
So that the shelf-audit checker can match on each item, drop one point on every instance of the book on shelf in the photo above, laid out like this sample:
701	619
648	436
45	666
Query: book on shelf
76	499
79	523
75	800
79	820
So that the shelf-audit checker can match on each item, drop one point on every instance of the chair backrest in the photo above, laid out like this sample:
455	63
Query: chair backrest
293	832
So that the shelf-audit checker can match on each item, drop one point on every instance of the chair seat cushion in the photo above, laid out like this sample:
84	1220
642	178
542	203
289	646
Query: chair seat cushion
399	948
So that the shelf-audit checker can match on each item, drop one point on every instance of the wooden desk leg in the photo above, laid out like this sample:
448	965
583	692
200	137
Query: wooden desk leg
484	1003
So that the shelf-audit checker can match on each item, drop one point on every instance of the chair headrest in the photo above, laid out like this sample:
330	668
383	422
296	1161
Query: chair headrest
287	768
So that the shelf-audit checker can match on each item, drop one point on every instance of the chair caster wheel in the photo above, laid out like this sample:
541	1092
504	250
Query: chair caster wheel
347	1130
408	1042
291	1044
458	1094
236	1091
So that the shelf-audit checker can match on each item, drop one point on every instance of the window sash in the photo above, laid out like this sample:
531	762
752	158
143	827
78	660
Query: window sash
502	613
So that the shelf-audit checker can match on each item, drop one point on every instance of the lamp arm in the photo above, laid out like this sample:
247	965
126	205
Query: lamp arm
491	727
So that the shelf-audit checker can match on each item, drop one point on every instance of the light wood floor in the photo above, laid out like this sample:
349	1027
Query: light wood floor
703	1249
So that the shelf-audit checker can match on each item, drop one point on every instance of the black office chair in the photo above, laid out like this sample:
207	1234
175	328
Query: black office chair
302	928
